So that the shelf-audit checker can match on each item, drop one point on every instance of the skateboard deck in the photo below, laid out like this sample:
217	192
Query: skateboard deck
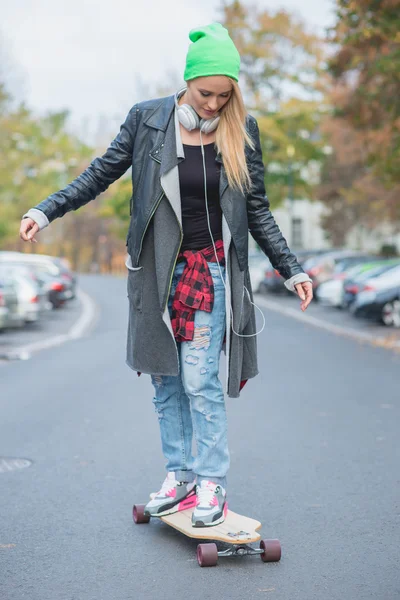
236	528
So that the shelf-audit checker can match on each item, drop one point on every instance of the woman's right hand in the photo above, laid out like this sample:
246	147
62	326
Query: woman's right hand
28	229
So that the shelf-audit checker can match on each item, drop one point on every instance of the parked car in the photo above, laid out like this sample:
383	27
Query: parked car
9	316
354	284
331	292
32	298
68	276
304	254
390	313
321	268
58	281
380	297
274	282
382	306
258	263
54	287
4	308
52	265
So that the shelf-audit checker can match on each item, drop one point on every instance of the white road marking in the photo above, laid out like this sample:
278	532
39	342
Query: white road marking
85	322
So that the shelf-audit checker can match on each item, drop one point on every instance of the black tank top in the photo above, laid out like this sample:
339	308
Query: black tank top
194	217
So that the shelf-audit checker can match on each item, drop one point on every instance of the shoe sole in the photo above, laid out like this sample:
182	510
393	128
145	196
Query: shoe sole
201	524
217	522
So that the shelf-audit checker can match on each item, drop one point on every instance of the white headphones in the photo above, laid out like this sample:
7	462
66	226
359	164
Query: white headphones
190	119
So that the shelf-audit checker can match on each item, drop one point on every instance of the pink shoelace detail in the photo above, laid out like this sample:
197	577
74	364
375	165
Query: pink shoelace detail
168	488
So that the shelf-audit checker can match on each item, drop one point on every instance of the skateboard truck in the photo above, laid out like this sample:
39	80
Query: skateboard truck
235	550
269	551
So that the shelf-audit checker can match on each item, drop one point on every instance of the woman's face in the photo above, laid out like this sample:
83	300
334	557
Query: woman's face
208	95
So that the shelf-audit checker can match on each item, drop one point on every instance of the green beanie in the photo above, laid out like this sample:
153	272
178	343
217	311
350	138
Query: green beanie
212	53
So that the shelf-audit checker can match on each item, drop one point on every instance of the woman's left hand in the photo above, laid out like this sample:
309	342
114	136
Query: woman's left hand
305	291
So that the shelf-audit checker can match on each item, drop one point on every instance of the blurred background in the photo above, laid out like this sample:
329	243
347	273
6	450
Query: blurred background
320	77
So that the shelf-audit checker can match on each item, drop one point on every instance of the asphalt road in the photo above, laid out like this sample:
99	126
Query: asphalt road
53	323
315	456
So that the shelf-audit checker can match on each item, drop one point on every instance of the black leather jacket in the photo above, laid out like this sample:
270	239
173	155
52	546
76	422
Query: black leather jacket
140	144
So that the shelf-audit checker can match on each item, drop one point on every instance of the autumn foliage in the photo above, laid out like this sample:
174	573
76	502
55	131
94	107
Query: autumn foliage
328	108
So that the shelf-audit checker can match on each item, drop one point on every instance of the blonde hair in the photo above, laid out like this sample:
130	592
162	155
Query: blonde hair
231	137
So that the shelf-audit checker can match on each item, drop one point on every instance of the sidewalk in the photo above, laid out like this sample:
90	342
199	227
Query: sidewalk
334	320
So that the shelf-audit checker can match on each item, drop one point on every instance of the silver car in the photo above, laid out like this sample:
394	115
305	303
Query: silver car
52	265
32	299
9	316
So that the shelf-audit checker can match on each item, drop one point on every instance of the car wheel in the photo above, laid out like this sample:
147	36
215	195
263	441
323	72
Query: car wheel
391	314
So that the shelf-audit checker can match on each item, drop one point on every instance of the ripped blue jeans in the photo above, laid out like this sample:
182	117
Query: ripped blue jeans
193	401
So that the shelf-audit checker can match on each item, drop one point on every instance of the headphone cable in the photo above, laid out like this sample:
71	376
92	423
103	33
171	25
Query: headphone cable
216	257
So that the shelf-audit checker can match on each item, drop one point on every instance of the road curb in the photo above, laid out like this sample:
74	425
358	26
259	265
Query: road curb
84	324
382	342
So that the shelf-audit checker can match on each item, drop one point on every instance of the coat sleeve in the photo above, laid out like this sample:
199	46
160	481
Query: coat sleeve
262	225
101	172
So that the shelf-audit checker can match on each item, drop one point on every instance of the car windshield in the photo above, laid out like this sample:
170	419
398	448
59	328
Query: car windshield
357	270
375	272
351	261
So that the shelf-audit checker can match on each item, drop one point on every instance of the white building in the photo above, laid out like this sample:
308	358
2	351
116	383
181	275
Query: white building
300	223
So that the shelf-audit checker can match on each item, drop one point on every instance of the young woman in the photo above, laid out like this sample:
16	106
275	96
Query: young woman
198	189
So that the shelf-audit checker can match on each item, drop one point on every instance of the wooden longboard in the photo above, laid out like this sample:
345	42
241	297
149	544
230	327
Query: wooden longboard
236	529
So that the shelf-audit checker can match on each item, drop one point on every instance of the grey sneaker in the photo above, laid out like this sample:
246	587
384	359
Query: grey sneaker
211	506
170	497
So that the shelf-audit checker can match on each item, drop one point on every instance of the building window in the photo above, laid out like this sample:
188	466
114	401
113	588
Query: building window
297	233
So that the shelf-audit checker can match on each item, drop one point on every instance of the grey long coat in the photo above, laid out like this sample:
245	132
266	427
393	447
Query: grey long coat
151	347
150	142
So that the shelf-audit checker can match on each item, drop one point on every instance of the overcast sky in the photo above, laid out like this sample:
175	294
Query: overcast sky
87	55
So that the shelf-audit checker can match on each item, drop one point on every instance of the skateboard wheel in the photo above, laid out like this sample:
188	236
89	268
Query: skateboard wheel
272	550
138	514
207	555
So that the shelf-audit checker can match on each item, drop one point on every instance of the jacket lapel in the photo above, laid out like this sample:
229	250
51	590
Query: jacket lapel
169	172
164	152
168	152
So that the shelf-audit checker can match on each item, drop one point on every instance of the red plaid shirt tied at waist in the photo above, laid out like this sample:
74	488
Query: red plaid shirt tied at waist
195	289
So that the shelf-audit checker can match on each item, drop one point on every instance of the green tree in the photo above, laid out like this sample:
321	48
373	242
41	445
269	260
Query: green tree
38	158
283	83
